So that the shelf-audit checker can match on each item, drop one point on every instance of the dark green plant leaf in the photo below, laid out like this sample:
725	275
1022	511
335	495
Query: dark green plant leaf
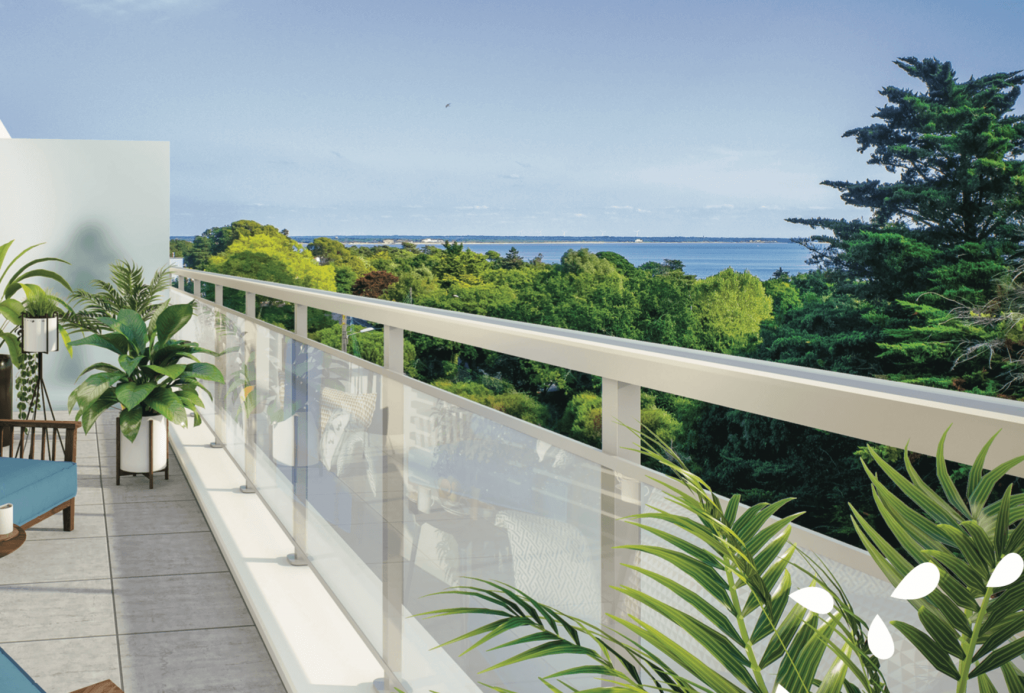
205	371
173	319
131	420
1000	657
172	372
133	327
164	402
131	395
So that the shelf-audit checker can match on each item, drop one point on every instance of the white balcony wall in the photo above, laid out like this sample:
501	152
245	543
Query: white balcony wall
91	203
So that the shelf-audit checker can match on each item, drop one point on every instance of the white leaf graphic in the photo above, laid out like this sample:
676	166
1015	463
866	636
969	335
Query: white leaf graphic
919	582
814	599
1008	570
879	640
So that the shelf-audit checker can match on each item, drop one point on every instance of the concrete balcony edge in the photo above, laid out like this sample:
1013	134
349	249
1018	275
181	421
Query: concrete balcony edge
312	644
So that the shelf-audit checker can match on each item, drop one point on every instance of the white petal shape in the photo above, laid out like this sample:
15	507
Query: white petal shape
1008	570
879	640
919	582
814	599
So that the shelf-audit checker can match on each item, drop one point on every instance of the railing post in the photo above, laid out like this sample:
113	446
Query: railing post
620	497
219	389
393	504
249	341
298	389
197	288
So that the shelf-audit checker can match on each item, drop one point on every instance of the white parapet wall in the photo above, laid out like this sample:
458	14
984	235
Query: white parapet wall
91	203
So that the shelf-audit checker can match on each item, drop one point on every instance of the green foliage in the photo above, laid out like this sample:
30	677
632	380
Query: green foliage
728	310
13	279
127	289
273	257
344	279
365	345
180	247
582	419
511	402
41	304
957	150
744	575
25	384
970	627
149	378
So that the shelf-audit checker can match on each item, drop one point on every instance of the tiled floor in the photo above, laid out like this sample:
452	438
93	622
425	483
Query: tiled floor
138	593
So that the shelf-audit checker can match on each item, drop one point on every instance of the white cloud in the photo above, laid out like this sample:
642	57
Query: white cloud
473	207
619	207
719	206
512	175
770	207
643	211
579	215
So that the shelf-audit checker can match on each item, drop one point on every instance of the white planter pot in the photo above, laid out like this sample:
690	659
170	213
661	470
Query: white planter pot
39	335
135	455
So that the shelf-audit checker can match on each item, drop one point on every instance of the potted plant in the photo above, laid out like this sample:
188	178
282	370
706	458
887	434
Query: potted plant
149	383
40	322
12	280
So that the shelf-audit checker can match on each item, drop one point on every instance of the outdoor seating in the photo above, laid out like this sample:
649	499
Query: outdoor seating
37	470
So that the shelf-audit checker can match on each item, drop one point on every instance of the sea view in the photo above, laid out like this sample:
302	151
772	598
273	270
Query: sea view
702	259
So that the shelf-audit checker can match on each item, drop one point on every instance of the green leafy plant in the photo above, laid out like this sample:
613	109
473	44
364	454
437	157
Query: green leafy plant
742	561
127	288
12	280
25	385
973	616
149	379
41	304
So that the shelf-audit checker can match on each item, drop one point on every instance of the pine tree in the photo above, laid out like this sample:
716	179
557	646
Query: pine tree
956	213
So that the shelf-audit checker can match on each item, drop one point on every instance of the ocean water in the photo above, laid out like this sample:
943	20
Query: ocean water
701	259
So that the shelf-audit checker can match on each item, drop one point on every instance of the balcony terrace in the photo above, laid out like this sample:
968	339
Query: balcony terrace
138	593
364	492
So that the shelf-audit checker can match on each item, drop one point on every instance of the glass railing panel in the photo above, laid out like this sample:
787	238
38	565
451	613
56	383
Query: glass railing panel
342	473
483	500
276	408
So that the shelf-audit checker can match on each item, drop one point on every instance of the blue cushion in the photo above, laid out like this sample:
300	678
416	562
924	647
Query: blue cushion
35	486
14	678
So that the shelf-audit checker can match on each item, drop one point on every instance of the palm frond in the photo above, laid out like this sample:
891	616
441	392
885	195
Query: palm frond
126	289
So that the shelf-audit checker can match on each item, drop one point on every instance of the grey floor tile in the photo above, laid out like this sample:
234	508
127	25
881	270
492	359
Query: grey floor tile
67	665
135	489
224	660
89	522
156	517
178	602
51	610
56	561
151	555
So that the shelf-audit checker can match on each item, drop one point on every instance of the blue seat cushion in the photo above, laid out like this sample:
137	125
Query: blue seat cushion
14	678
35	486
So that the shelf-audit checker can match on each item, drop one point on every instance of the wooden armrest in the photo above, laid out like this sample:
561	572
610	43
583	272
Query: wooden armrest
69	446
38	423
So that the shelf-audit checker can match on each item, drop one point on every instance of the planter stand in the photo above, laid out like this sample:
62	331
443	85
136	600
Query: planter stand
167	464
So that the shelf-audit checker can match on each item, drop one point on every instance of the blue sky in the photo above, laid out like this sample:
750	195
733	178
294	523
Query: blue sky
583	118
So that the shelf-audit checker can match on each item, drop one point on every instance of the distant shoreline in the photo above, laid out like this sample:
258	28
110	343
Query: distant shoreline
525	240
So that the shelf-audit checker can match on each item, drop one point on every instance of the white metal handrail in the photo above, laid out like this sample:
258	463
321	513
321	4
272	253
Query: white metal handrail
878	411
